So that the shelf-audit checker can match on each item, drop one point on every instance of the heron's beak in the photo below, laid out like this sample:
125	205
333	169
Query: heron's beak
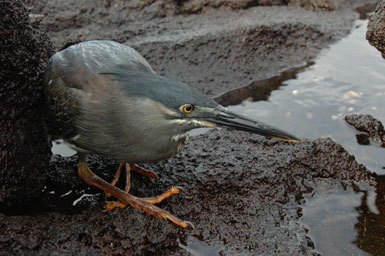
223	117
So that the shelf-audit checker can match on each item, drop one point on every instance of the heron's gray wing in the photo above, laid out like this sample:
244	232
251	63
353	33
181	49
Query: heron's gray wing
74	73
79	63
63	106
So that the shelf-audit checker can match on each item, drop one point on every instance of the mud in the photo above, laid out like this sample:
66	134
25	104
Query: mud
376	28
242	191
373	129
24	152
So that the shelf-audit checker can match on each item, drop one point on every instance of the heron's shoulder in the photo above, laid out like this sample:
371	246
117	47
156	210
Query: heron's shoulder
81	63
96	57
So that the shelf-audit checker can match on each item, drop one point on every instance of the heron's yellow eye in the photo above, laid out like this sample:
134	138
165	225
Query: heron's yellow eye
188	108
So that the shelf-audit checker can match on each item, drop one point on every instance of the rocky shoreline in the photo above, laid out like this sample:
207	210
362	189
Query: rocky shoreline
242	191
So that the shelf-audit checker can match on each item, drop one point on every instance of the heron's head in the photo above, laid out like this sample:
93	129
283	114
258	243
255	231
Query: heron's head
185	108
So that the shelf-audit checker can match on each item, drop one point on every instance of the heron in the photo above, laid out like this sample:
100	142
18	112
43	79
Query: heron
104	98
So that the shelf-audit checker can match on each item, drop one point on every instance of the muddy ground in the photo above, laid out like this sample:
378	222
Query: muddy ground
242	191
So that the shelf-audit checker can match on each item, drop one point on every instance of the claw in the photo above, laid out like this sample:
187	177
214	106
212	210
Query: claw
145	204
148	173
110	205
180	188
191	225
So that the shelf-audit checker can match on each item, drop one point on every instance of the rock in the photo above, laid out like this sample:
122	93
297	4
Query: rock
35	19
234	48
328	5
25	152
194	6
240	193
368	124
376	28
363	139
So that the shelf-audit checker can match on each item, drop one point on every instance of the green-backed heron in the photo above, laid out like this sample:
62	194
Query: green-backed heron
104	98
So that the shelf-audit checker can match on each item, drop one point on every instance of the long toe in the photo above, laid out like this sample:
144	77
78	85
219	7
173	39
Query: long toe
169	192
148	173
92	179
143	204
116	178
110	205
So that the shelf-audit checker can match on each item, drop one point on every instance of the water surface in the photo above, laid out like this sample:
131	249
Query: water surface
347	78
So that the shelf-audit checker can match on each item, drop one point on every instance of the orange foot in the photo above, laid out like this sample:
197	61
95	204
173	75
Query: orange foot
145	204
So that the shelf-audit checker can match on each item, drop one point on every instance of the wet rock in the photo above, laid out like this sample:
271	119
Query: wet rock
195	6
234	48
363	139
328	5
24	152
369	125
376	28
237	187
35	19
241	190
366	10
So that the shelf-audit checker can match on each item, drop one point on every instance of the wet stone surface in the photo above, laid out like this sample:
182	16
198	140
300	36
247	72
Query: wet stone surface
376	28
368	124
242	191
24	150
233	48
238	187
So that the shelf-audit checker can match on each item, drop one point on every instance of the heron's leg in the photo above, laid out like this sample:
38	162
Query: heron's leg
148	173
152	200
92	179
117	176
130	167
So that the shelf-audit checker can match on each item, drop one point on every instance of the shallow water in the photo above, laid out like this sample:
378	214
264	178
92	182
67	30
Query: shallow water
347	78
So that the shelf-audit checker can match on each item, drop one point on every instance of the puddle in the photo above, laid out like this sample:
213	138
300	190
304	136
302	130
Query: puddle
196	247
62	149
330	214
370	227
259	90
347	78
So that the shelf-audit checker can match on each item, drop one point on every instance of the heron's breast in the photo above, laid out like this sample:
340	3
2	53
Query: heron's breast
180	140
161	148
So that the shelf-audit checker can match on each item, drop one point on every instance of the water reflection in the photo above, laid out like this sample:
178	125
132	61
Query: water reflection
197	247
347	78
371	224
259	90
330	214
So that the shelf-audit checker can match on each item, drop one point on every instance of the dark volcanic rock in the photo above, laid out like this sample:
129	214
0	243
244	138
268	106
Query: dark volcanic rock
25	152
368	124
328	5
236	188
241	190
195	6
363	139
376	28
216	51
